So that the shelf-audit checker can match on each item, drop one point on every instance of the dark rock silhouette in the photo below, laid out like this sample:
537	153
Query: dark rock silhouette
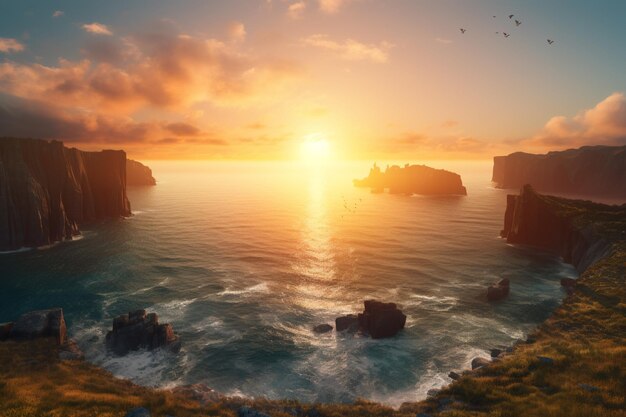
137	330
137	174
590	170
381	320
413	179
349	322
568	282
48	190
550	223
479	363
40	323
322	328
499	290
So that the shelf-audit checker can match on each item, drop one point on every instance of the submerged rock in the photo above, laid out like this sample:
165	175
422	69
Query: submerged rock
480	362
381	320
322	328
349	322
40	323
499	290
137	330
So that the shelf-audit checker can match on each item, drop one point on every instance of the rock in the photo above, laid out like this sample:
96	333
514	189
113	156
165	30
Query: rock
322	328
70	351
138	412
413	179
137	174
499	290
249	412
40	323
349	322
568	282
137	330
200	393
433	392
480	362
381	320
48	190
588	388
5	330
496	352
454	375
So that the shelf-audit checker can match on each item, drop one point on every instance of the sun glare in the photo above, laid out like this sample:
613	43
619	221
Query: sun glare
315	148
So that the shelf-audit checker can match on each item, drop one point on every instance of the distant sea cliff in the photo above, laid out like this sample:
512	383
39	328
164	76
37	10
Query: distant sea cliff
137	174
590	170
48	190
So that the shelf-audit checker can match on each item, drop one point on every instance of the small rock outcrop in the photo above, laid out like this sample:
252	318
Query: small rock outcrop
479	363
381	320
40	323
413	179
322	328
137	174
137	330
349	322
499	290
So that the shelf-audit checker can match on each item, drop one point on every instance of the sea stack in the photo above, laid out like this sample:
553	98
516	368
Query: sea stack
48	190
137	174
413	179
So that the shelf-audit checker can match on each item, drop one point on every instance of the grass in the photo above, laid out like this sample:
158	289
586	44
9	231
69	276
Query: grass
585	338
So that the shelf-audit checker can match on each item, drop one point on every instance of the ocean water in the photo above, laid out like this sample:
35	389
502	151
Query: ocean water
245	258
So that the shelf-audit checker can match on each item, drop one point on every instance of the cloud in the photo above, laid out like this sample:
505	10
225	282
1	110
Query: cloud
331	6
237	31
350	49
8	45
97	29
296	9
604	124
58	13
443	40
183	129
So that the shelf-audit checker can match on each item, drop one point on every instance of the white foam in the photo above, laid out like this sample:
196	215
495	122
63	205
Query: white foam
259	288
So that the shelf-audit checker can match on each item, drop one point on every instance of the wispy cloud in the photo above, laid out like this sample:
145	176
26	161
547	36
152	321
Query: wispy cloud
237	31
8	45
97	28
296	9
58	13
332	6
350	49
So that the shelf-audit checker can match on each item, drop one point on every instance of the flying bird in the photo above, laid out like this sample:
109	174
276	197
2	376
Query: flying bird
506	35
517	22
550	41
511	16
463	30
494	17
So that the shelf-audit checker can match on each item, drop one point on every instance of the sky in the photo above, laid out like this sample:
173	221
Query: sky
255	79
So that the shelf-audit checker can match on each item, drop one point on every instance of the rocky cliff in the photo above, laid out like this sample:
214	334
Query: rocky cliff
48	190
579	231
413	179
590	170
137	174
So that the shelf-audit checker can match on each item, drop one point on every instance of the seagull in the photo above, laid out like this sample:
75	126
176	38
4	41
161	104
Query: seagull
494	17
463	30
511	16
550	41
517	22
506	35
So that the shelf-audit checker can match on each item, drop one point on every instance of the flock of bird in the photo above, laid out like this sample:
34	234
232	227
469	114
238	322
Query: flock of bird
506	34
348	207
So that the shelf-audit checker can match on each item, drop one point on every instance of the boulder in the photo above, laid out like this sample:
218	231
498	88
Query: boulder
454	375
381	320
40	323
499	290
433	392
5	330
349	322
322	328
480	362
138	412
496	352
137	330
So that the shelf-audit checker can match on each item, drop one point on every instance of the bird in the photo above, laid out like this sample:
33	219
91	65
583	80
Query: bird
511	16
494	16
463	30
517	22
550	41
506	35
497	33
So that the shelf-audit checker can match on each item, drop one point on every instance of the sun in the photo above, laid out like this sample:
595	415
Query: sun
315	148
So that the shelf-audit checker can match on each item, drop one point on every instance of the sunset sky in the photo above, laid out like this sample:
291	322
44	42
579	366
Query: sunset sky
254	79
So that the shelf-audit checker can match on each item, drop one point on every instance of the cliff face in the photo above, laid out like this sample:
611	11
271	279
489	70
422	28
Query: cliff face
137	174
413	179
590	170
48	190
562	226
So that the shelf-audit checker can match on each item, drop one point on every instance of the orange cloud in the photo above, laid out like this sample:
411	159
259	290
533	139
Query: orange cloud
331	6
296	9
350	49
604	124
10	45
97	28
237	31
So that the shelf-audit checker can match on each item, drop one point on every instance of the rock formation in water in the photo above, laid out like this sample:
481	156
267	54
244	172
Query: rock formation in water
413	179
499	290
36	324
137	174
137	330
48	190
590	170
379	320
557	224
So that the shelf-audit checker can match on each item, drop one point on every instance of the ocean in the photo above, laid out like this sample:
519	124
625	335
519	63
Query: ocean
245	258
